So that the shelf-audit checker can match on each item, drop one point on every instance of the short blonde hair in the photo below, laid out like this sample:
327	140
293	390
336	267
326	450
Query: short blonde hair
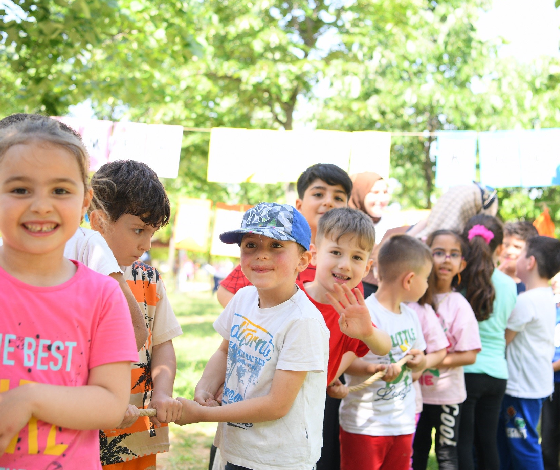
338	222
401	254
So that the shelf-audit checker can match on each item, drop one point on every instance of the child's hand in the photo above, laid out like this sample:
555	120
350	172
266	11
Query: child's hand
205	398
337	390
418	361
16	412
355	320
393	371
130	416
168	409
190	412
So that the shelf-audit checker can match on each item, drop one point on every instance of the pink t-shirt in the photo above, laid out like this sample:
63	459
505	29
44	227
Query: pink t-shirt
434	336
446	386
55	335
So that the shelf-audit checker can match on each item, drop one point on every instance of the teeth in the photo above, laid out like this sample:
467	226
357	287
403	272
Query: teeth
40	228
341	277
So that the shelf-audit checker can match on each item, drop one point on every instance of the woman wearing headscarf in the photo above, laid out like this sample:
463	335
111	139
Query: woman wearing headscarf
370	194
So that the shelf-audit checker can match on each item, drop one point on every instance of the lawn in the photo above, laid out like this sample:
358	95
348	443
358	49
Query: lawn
196	310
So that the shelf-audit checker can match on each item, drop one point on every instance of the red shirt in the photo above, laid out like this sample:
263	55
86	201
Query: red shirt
339	343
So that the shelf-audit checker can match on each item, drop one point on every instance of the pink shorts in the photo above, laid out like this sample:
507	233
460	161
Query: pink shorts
362	452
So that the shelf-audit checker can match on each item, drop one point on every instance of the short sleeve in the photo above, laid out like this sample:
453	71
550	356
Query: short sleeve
305	347
420	342
166	326
90	248
235	280
113	337
434	336
359	348
521	315
464	329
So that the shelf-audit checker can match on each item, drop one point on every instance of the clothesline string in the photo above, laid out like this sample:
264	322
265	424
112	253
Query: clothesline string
404	134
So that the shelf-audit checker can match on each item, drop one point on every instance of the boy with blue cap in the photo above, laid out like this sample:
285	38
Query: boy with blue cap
273	359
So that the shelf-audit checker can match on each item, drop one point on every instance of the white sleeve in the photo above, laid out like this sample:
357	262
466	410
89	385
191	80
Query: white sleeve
304	346
90	248
521	314
166	326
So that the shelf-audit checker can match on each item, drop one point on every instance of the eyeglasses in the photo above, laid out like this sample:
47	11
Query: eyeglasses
440	256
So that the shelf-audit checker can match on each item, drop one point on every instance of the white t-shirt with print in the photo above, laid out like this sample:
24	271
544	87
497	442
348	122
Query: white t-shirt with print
529	355
290	336
385	409
90	248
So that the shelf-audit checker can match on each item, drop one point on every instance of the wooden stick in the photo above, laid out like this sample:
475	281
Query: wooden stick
148	412
378	375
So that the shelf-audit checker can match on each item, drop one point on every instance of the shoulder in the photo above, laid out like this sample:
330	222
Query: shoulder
459	301
503	281
94	279
140	271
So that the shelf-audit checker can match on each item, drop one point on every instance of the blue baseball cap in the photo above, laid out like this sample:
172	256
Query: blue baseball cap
278	221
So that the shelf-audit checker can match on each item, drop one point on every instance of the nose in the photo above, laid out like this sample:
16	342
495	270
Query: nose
146	242
328	200
262	253
41	204
344	263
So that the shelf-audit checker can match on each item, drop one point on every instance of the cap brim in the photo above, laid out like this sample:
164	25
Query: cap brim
235	236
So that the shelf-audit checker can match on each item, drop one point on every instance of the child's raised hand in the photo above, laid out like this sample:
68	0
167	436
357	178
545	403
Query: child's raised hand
355	320
16	412
190	412
130	416
168	409
337	390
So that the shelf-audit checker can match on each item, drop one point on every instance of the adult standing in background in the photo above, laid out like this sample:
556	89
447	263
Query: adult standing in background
370	194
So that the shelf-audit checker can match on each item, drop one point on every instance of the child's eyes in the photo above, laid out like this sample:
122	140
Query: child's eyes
276	245
61	191
340	199
19	191
358	258
250	245
335	252
138	231
318	194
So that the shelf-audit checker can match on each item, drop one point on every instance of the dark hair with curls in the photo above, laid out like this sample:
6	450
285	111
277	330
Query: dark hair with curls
477	276
546	251
428	297
130	187
329	173
521	229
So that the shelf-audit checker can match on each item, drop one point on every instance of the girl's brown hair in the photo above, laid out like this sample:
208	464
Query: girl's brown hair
477	276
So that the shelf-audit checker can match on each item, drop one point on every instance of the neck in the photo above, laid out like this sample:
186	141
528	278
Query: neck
316	292
272	297
535	281
391	299
45	270
442	287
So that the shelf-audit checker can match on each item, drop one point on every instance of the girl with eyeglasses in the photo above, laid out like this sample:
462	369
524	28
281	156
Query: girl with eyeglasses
443	385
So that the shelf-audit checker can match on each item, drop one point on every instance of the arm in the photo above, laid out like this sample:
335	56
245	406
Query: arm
418	362
286	384
213	377
460	358
164	366
138	323
108	389
556	366
510	334
355	320
224	296
433	359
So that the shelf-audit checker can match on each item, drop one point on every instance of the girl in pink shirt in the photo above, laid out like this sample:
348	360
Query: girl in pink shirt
66	337
443	387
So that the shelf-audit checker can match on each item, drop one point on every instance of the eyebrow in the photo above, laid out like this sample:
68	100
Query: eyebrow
25	179
324	188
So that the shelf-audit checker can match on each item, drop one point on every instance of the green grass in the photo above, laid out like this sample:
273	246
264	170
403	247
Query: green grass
196	312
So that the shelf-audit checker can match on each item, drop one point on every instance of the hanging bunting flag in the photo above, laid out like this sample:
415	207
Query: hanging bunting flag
539	154
500	165
370	151
226	217
96	135
455	153
163	149
192	224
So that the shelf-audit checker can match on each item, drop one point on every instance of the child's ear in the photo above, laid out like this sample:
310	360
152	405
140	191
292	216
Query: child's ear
313	251
299	202
407	280
462	266
531	263
368	267
98	220
304	260
88	196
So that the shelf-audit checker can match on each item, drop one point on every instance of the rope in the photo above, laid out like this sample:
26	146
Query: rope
148	412
378	375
